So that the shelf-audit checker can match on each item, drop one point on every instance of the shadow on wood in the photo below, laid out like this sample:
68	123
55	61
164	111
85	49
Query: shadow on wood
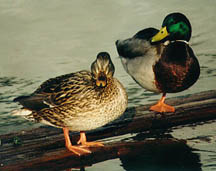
44	147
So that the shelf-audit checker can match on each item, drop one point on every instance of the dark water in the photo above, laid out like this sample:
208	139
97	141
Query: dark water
44	39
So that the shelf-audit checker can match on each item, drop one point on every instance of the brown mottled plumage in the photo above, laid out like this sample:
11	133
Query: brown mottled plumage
78	101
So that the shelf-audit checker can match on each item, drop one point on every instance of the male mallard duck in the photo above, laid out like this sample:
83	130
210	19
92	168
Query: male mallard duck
161	61
79	101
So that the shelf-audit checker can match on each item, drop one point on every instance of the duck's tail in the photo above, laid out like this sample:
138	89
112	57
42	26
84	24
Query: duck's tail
21	112
25	113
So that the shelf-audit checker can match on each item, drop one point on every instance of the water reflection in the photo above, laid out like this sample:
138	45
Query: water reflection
10	87
171	156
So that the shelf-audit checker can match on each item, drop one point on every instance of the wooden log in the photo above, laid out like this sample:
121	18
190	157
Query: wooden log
44	147
62	159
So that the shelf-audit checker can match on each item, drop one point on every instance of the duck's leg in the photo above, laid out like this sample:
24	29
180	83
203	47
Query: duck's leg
77	150
83	141
161	106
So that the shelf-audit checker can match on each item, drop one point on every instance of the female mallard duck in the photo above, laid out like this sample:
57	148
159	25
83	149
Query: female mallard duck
161	61
79	101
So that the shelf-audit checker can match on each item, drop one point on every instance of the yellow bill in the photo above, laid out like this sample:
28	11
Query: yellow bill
160	35
101	83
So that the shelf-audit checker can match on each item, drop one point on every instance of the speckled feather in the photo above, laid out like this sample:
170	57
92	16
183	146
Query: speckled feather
83	103
76	102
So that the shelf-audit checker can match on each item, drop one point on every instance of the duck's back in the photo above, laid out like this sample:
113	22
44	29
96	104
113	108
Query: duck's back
57	91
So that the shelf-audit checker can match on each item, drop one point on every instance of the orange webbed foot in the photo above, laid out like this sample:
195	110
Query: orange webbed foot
84	143
162	107
78	150
91	144
75	149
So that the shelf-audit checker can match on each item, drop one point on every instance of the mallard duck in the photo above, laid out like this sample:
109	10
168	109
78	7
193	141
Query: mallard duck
161	61
79	101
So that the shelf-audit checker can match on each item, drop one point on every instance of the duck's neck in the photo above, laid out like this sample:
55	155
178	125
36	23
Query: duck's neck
172	41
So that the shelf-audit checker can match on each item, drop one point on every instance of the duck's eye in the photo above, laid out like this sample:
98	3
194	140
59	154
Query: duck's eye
162	31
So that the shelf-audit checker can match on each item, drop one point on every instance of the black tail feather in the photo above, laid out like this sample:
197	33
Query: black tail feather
35	102
20	98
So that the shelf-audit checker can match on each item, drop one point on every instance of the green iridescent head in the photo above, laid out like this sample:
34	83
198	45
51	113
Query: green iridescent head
175	26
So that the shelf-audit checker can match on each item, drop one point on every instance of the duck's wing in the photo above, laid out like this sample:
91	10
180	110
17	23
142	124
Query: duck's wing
136	46
146	34
57	91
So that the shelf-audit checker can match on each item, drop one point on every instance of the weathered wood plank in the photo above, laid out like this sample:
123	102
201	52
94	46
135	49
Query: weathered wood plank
41	146
62	159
